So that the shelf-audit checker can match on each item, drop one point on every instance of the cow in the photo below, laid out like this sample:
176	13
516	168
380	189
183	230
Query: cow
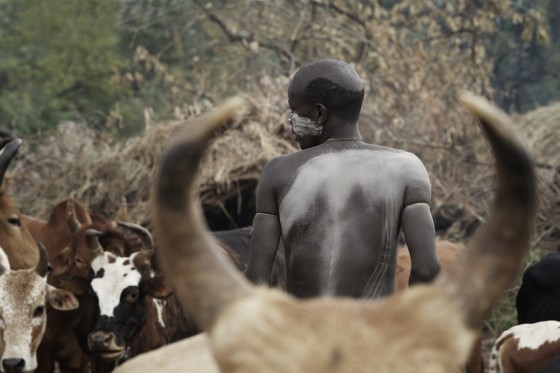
538	298
58	231
553	367
195	355
526	348
447	252
427	328
64	237
136	311
15	239
72	270
24	294
235	243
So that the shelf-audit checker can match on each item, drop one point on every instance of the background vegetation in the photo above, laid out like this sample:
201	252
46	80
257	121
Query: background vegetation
103	62
97	87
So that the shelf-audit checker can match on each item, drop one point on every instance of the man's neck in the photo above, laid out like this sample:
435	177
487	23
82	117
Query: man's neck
346	132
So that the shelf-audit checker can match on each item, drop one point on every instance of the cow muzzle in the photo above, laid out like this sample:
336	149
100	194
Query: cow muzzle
13	365
105	345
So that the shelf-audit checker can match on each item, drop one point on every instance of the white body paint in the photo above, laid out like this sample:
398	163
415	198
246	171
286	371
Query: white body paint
117	276
160	304
329	181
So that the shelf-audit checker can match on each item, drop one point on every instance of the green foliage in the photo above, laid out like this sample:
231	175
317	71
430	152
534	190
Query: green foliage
56	59
526	57
66	59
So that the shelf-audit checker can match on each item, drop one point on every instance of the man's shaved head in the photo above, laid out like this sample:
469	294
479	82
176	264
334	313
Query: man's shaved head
332	83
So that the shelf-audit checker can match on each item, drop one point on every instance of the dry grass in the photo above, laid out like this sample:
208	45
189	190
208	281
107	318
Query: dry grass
80	163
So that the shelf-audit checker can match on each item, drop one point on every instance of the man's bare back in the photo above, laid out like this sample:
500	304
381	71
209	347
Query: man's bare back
337	207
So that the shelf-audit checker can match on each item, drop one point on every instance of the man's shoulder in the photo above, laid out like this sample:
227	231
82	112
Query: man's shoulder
393	152
277	166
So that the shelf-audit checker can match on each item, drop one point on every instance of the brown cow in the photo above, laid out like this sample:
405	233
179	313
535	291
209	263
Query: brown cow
64	236
15	238
428	328
526	348
59	343
23	295
447	252
58	232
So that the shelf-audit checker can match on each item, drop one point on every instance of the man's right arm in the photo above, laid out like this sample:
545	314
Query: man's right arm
267	232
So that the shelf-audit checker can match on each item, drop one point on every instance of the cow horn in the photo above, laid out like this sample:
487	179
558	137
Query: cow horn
71	219
144	234
92	242
43	264
476	284
6	156
186	251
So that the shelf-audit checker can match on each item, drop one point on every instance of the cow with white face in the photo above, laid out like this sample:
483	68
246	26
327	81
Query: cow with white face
23	295
133	316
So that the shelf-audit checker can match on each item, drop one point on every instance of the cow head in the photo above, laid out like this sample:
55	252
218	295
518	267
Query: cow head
23	294
121	285
15	238
75	259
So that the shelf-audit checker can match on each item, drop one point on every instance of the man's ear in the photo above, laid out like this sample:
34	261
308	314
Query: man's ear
156	287
321	113
61	300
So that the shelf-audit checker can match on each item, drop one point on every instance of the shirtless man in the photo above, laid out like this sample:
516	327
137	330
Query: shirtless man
338	205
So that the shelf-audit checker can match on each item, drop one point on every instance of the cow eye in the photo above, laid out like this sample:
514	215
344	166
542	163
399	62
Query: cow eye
132	296
37	312
14	221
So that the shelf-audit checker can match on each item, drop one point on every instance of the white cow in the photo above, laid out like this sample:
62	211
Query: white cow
23	318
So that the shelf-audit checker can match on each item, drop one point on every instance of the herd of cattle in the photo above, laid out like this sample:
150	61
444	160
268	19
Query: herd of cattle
81	293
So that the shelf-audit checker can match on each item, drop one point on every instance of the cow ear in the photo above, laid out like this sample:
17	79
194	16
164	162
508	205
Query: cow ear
62	300
74	284
156	287
62	262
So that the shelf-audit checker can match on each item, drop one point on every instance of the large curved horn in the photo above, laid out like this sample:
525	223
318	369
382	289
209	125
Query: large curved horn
92	243
187	252
144	234
476	281
8	153
73	223
43	264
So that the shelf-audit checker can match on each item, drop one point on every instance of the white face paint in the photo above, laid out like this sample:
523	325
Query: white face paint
117	274
305	126
21	293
